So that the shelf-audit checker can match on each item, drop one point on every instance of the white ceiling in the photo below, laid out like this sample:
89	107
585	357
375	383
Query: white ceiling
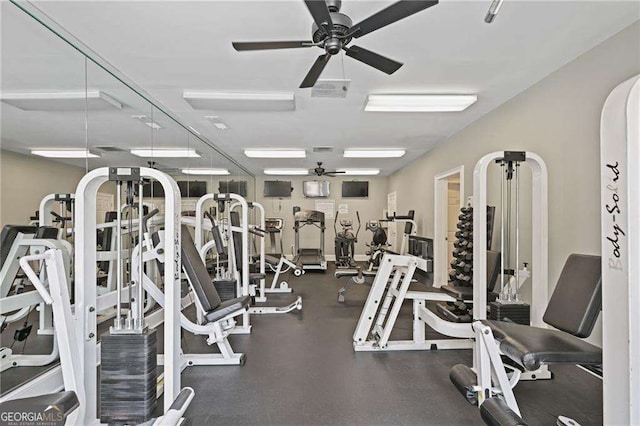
168	47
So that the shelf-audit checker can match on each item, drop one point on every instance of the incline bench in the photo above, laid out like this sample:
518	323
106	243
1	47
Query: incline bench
572	310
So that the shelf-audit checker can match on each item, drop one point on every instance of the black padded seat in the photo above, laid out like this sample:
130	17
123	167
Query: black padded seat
253	277
47	233
531	347
8	236
228	307
201	282
65	402
573	309
271	260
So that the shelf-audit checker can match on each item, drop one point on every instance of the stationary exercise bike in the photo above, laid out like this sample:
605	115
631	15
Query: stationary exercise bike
345	242
378	244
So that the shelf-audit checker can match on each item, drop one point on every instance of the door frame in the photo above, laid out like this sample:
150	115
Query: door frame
441	202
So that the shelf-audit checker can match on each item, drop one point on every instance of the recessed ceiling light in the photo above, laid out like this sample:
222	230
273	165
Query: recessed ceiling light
212	172
275	153
419	103
61	101
148	121
373	153
297	172
64	153
166	153
218	122
360	172
229	101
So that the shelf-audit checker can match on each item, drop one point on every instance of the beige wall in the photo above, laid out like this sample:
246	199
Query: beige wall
559	119
25	180
369	208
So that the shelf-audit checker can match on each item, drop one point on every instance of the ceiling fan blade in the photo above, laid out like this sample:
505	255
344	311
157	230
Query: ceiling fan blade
264	45
315	71
320	13
389	15
370	58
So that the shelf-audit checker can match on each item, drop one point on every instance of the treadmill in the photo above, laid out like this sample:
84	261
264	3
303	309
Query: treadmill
309	258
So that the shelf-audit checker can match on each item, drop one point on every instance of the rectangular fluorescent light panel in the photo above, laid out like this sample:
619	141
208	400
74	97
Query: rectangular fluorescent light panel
419	103
64	153
296	172
229	101
373	153
148	121
166	153
275	153
79	100
207	172
360	172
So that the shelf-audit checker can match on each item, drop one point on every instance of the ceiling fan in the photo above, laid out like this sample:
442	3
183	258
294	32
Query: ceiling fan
320	171
333	31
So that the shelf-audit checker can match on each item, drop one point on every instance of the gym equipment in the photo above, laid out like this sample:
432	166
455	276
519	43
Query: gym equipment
461	276
619	159
273	227
379	245
345	242
309	258
332	31
572	310
86	296
259	292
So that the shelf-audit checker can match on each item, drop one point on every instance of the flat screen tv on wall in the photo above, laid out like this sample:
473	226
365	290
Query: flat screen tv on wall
191	189
277	188
355	189
233	187
315	189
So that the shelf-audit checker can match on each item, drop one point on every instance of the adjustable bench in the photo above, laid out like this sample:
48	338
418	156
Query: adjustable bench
572	310
217	315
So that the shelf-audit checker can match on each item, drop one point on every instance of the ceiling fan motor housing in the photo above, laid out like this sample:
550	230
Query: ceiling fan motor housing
333	42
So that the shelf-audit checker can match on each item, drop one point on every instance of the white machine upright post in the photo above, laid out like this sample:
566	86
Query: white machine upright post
539	233
620	183
86	283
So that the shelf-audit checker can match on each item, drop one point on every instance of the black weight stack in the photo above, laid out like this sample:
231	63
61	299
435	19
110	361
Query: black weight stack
514	312
128	377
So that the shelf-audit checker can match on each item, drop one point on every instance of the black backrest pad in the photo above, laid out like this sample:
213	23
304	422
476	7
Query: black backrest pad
197	272
221	249
234	217
493	269
47	233
577	298
8	236
408	225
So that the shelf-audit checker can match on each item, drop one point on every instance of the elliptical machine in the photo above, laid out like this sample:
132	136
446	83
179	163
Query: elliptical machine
345	242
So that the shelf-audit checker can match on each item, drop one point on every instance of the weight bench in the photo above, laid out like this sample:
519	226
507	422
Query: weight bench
572	310
217	315
357	276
